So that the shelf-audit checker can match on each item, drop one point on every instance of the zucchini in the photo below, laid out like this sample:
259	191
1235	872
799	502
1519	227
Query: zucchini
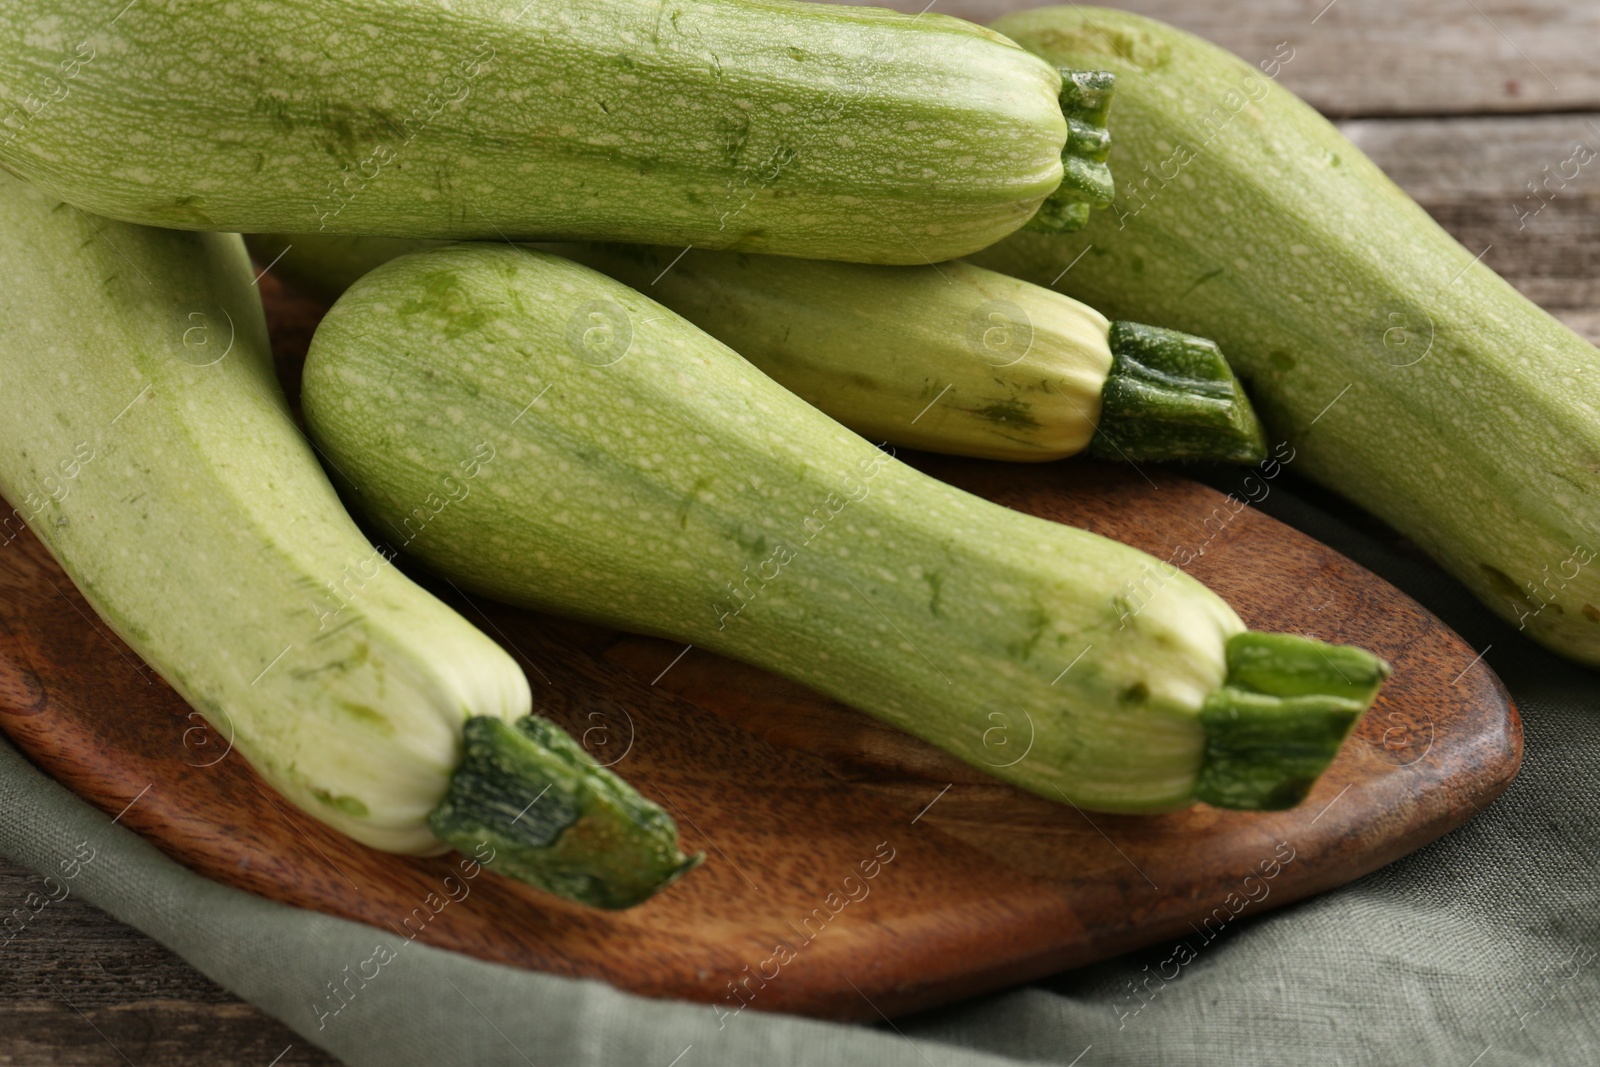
950	358
651	479
1407	375
954	358
795	128
150	448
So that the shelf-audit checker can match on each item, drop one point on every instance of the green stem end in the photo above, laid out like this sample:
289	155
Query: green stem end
1086	181
528	802
1287	705
1172	395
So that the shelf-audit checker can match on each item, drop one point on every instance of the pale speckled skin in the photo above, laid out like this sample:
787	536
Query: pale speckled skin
203	531
632	493
950	358
768	125
1287	246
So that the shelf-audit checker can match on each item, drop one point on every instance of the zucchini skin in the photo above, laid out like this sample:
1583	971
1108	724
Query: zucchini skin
795	128
653	480
1461	413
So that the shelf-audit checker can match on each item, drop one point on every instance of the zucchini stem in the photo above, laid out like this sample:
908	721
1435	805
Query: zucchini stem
1086	181
554	818
1172	395
1278	720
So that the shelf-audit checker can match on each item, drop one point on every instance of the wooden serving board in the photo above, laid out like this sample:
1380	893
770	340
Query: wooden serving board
794	796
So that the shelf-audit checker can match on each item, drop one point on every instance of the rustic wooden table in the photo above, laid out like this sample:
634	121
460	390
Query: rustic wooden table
1468	104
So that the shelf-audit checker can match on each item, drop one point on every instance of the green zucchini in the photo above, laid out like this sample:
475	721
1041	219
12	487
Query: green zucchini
1405	373
954	358
949	358
651	479
149	447
796	128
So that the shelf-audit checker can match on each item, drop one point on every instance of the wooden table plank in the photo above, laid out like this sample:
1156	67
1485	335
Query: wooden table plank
1379	57
138	999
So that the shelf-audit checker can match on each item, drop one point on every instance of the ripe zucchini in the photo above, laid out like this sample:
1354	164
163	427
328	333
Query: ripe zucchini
649	478
952	358
149	447
796	128
1409	377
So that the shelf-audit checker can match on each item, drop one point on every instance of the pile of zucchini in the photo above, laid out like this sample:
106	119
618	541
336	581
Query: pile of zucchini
679	418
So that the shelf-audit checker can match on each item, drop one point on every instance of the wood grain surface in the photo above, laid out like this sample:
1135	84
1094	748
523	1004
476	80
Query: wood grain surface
1382	57
895	877
81	990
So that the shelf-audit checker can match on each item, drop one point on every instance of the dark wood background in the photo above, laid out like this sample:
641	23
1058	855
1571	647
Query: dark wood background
1463	102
